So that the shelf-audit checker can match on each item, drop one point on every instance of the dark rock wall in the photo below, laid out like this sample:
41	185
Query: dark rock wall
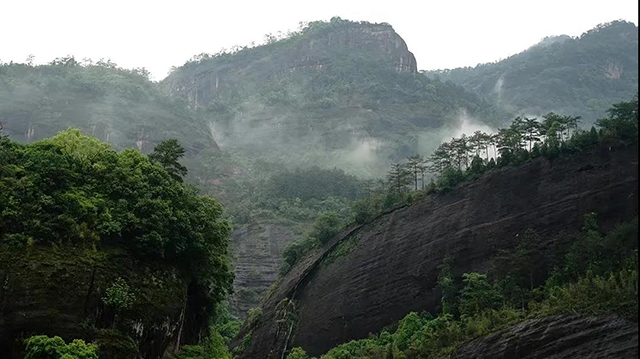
558	337
58	290
392	266
257	252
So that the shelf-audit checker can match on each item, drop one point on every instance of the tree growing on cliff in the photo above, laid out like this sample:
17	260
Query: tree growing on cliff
478	294
399	177
43	347
168	153
622	121
415	165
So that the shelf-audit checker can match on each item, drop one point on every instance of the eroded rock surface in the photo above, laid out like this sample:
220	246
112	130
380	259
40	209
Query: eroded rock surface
558	337
392	264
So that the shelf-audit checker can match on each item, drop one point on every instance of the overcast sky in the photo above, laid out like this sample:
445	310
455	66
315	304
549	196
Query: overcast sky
160	34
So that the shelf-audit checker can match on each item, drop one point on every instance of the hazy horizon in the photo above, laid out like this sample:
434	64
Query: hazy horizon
157	36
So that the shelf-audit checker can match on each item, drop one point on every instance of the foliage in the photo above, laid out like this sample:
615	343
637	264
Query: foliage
478	295
483	311
118	295
324	229
622	121
467	157
297	353
119	106
167	153
74	190
568	75
253	315
44	347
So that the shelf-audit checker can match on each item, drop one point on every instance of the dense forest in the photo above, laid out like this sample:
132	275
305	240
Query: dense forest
568	75
119	106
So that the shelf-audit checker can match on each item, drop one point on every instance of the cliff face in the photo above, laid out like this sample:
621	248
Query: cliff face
389	267
312	49
557	337
378	38
257	250
58	291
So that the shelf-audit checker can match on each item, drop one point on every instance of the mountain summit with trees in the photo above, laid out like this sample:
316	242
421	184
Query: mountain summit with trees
580	75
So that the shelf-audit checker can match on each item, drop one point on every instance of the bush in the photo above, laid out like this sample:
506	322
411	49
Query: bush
43	347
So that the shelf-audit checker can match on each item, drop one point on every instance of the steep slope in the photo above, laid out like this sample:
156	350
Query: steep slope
373	275
336	93
577	76
121	107
562	336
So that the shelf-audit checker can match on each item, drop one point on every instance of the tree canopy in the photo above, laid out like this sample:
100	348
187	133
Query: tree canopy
74	190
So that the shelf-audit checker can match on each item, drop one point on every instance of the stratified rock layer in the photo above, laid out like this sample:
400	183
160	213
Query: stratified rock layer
393	262
257	251
558	337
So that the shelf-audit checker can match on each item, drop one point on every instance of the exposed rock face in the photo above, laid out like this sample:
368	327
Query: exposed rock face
58	291
311	49
393	262
380	38
257	250
558	337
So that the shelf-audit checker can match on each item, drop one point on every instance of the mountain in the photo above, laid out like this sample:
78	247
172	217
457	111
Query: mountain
119	106
372	275
577	76
337	93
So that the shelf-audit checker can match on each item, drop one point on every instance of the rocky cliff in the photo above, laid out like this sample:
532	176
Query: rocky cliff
314	48
257	252
58	291
373	275
557	337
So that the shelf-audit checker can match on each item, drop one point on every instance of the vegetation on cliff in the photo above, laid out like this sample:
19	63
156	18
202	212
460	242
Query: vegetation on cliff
593	273
74	195
465	159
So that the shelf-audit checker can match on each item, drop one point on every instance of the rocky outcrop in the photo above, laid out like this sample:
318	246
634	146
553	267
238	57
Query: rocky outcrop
257	252
58	290
314	48
378	38
389	267
558	337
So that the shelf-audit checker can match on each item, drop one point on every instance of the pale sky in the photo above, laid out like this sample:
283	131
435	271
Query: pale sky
160	34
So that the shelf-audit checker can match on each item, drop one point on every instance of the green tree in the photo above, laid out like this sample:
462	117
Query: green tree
478	294
447	286
44	347
415	165
168	153
622	121
398	177
297	353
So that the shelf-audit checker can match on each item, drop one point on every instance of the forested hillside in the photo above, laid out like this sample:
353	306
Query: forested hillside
579	76
335	93
119	106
